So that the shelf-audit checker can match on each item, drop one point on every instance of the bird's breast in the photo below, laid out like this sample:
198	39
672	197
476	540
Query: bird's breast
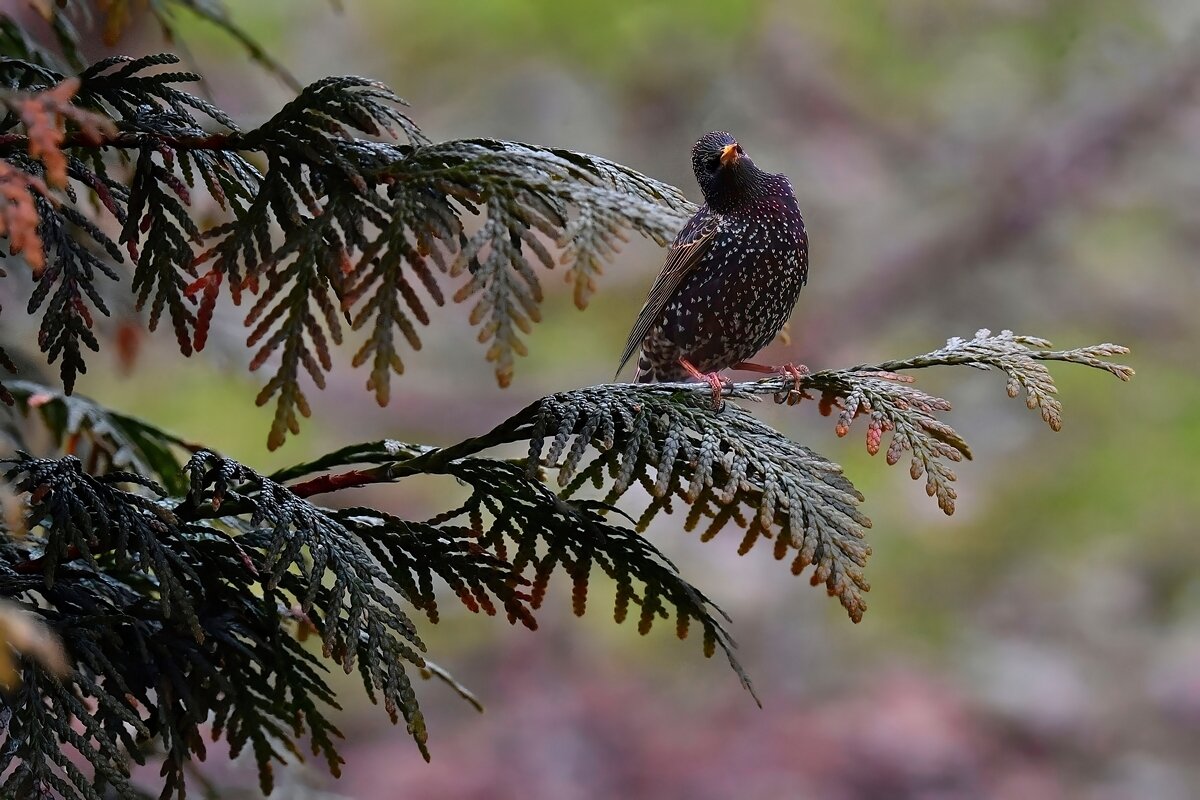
745	286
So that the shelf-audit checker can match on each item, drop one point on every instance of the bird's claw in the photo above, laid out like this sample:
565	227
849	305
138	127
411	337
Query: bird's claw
717	382
797	373
793	395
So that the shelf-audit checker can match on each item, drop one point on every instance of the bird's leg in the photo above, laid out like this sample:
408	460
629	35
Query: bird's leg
714	379
797	372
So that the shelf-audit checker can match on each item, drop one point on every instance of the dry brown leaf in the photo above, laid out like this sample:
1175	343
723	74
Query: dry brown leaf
118	14
24	634
18	214
44	116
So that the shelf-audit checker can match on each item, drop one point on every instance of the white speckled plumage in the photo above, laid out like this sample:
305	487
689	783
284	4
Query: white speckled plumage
733	273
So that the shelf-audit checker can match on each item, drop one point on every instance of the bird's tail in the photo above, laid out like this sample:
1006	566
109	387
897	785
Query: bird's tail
645	370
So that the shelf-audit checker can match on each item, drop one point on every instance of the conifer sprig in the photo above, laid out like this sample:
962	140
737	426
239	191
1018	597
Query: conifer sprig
332	231
158	595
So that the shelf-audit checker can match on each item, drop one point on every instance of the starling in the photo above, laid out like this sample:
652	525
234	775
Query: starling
731	276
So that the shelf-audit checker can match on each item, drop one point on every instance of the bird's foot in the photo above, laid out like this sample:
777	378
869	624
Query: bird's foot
797	372
715	381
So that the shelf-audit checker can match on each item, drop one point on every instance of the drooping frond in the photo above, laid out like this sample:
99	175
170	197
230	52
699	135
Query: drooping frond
338	586
728	467
549	533
231	566
54	236
168	629
338	231
511	514
414	197
104	440
894	407
85	515
221	578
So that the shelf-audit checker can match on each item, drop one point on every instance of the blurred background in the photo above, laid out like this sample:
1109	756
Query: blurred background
1023	164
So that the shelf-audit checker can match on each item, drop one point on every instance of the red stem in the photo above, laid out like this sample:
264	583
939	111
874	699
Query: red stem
336	481
34	565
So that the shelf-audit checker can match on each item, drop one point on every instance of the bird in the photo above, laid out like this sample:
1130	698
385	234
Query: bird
731	277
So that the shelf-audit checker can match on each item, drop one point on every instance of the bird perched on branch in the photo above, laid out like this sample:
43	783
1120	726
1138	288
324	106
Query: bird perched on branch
731	277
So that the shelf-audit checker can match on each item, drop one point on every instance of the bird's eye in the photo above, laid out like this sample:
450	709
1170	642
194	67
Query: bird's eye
714	162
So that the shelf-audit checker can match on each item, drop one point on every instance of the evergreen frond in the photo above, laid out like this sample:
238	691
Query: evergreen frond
212	583
894	407
338	230
550	533
155	595
104	440
510	507
534	197
142	679
229	567
725	467
66	291
314	556
728	466
85	515
412	198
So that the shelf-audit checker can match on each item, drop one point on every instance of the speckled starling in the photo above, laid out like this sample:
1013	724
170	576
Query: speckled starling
731	277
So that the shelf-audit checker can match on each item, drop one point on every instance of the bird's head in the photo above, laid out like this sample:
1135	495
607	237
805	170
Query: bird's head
723	170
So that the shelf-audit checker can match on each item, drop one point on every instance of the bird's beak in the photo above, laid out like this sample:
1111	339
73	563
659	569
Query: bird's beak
730	154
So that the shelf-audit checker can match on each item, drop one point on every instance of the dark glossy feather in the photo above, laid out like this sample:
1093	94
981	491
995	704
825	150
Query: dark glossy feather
733	274
686	252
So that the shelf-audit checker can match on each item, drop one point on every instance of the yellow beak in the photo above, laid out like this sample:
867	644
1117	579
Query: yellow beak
730	154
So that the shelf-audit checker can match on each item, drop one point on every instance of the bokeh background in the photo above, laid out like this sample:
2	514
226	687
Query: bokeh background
1023	164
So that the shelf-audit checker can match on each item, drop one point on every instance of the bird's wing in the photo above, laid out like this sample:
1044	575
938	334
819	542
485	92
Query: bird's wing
686	251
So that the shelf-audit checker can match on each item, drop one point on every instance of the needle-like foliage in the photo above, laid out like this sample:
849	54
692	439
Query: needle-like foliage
333	232
158	595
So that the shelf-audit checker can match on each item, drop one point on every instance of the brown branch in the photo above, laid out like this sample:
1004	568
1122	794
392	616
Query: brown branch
33	566
342	480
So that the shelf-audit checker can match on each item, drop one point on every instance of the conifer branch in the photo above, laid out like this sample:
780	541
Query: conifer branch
339	233
728	466
178	586
282	559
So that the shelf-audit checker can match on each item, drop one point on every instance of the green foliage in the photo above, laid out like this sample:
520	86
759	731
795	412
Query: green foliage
184	586
336	231
727	468
101	438
236	564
